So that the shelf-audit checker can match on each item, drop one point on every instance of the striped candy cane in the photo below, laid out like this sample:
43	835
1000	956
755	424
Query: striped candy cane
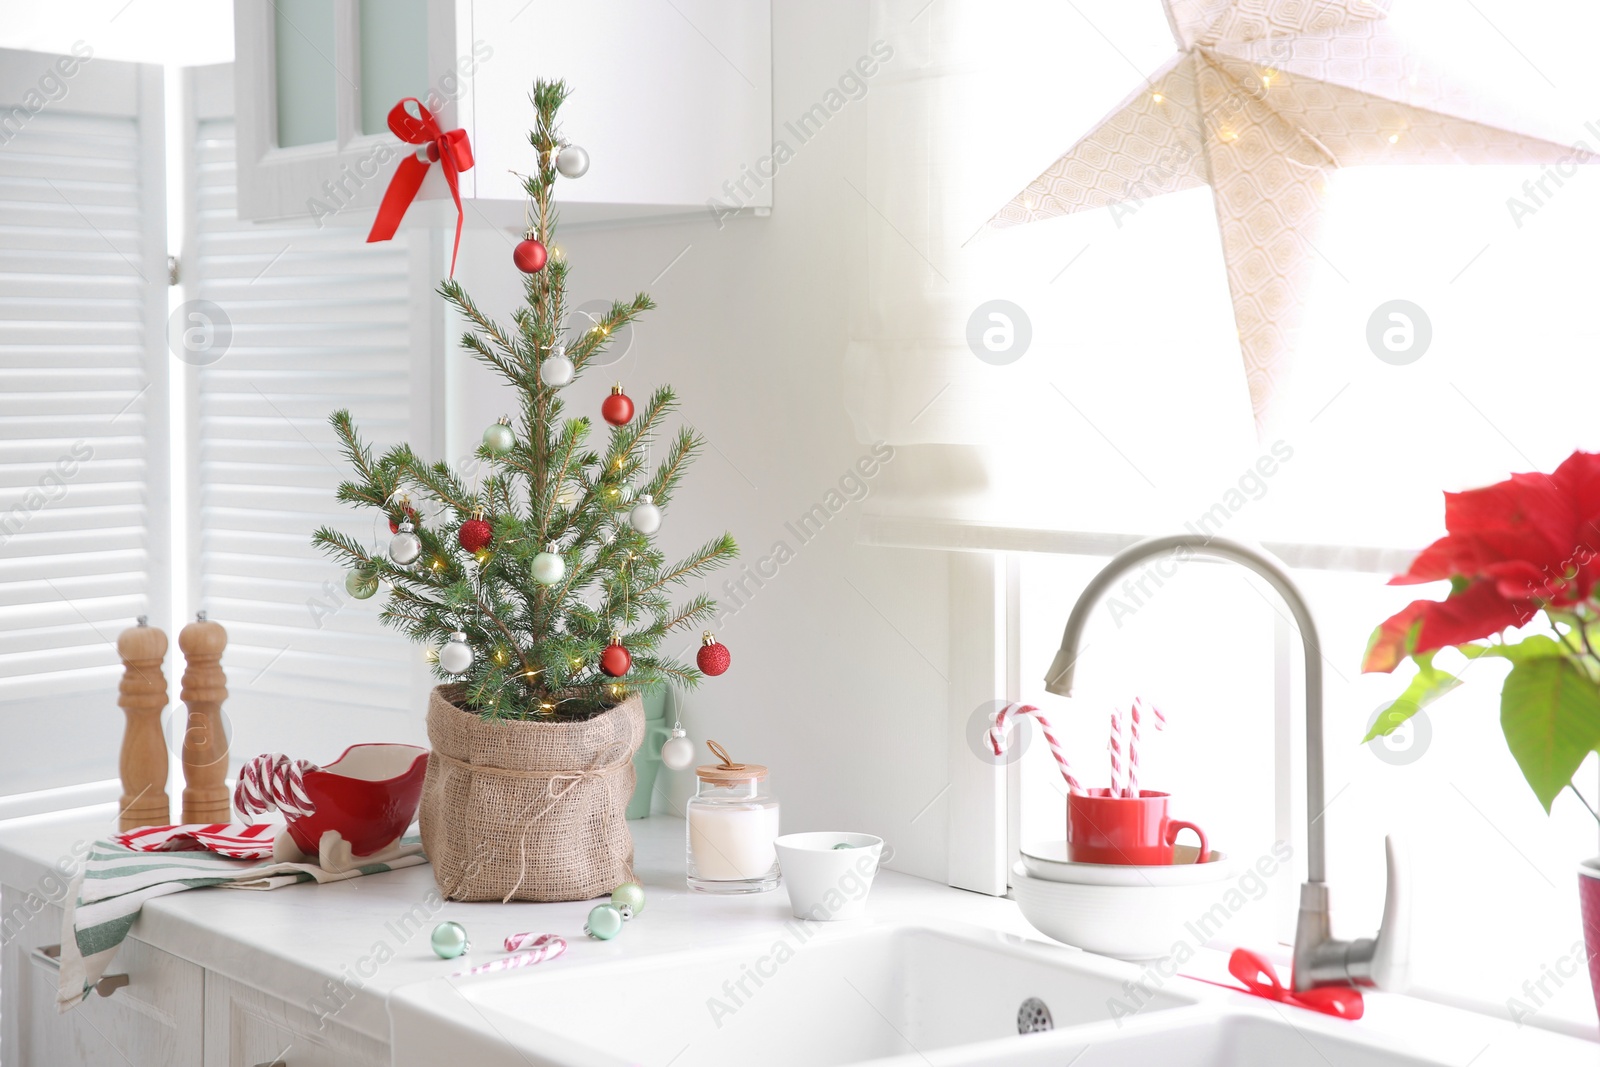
1158	721
997	739
540	948
273	780
529	940
1119	786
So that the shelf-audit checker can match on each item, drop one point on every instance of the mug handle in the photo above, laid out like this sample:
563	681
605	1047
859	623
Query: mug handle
1176	825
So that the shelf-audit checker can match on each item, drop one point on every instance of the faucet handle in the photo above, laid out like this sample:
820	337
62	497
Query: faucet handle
1384	962
1381	962
1390	969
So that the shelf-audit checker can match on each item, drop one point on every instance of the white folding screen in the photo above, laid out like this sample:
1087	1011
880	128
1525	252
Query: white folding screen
84	475
292	323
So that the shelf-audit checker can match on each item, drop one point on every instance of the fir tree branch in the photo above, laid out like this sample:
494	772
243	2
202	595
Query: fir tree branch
684	449
474	344
711	555
452	291
597	337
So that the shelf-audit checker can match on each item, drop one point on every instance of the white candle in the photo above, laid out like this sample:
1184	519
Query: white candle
733	842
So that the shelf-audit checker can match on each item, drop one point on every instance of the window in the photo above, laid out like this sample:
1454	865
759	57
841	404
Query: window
1128	416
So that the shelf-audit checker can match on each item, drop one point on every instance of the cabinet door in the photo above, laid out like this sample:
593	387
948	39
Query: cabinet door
153	1021
313	83
247	1028
673	102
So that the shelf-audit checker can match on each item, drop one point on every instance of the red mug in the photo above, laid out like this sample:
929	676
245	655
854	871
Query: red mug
1132	831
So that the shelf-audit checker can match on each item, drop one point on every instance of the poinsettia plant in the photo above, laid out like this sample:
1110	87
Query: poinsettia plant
1516	550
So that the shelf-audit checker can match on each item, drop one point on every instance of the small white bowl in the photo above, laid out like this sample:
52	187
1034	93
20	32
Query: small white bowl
1128	922
1047	860
827	883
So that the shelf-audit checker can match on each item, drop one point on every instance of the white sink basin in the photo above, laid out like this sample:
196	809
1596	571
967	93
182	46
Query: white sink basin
914	995
841	997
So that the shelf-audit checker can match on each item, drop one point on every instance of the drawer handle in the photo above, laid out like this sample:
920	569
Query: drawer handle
50	956
273	1063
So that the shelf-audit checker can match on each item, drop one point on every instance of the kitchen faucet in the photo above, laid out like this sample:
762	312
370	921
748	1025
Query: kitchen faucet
1319	960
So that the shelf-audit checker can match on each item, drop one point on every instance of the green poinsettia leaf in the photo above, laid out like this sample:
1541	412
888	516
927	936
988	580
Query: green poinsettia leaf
1550	712
1536	647
1428	685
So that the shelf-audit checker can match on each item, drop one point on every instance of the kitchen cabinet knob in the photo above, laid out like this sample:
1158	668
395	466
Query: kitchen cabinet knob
110	983
50	956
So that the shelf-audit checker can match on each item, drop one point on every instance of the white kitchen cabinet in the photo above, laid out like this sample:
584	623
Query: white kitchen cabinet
152	1021
171	1012
246	1028
672	101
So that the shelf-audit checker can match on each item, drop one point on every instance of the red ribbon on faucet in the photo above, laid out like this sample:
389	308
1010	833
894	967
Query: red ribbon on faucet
450	150
1260	978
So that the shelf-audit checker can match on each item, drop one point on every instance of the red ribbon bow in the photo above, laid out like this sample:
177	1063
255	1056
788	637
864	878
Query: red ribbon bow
452	152
1260	978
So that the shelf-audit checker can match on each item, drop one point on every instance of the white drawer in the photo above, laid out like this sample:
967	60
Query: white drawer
246	1027
154	1019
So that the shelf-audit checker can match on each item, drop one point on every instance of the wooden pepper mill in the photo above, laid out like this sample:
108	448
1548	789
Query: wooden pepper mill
205	746
143	697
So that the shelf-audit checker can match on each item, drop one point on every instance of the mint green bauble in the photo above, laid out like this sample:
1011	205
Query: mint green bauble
629	895
361	583
605	922
450	940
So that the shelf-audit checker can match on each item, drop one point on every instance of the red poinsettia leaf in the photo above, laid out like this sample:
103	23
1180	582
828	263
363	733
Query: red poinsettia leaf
1527	517
1429	625
1579	477
1518	579
1440	561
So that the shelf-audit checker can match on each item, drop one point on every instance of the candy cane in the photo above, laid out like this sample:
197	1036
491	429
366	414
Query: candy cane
1158	722
542	947
273	780
529	940
1119	786
997	739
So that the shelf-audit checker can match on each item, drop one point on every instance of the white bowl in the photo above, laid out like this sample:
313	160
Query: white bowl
1128	922
824	882
1047	860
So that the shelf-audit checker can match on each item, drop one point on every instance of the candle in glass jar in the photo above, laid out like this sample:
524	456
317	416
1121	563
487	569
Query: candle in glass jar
730	841
732	829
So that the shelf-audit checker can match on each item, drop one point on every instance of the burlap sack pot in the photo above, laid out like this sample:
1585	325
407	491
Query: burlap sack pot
529	810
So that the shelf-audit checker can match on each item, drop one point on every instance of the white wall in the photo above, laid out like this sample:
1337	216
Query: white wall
839	662
181	32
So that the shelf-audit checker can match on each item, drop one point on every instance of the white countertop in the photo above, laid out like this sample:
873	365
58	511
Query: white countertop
292	942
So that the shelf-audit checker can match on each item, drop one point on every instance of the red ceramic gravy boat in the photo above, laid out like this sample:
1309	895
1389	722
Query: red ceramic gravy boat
369	795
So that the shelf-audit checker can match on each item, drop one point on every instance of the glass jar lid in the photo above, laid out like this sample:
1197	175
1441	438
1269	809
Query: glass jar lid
728	772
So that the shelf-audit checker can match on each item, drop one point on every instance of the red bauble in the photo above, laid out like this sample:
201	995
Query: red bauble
410	516
713	657
614	660
475	534
530	256
617	409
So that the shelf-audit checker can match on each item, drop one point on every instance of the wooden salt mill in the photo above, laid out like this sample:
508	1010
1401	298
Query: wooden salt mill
205	746
143	697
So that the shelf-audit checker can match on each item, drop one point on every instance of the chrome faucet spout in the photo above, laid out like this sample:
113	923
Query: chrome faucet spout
1319	960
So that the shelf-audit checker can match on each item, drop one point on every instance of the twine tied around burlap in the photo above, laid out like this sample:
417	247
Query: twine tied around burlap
558	790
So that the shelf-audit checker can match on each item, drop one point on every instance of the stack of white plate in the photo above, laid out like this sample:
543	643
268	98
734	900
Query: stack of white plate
1132	913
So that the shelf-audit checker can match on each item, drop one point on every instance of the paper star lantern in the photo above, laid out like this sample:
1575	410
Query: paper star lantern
1263	99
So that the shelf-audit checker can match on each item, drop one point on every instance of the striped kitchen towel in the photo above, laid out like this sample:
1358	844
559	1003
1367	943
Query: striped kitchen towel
116	881
239	841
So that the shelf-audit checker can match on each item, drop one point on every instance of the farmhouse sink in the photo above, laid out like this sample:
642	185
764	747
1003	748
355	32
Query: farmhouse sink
812	996
915	994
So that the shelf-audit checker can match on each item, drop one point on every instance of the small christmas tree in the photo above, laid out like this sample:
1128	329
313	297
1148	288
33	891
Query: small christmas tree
543	565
